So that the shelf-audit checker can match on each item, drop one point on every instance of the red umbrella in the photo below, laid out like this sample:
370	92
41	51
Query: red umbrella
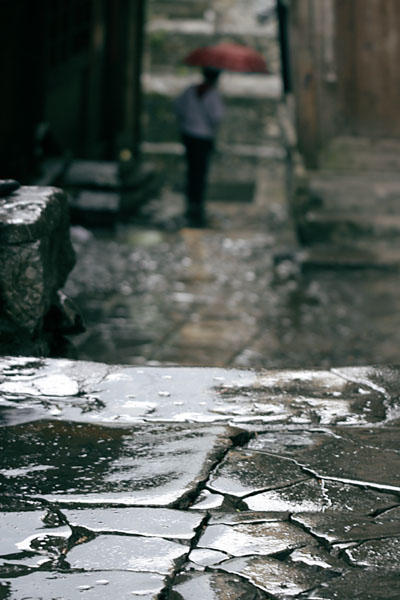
232	57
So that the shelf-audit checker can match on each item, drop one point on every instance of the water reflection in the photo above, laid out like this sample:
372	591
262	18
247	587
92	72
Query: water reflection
146	302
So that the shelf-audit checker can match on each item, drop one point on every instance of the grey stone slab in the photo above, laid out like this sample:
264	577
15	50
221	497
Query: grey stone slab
319	495
376	554
253	538
275	577
119	552
243	472
152	465
360	585
383	379
315	556
308	396
22	532
212	586
235	518
130	395
149	522
24	376
107	202
98	585
205	557
360	456
362	255
172	394
207	501
394	513
26	214
92	173
335	528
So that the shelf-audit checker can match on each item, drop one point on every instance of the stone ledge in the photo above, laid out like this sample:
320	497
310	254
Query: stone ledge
36	256
30	212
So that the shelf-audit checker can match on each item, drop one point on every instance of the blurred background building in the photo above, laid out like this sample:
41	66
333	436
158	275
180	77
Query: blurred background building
70	72
71	69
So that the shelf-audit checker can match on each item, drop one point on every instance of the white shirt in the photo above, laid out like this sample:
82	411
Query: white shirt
199	116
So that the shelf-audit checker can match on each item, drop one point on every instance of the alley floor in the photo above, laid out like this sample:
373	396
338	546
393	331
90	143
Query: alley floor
184	483
233	294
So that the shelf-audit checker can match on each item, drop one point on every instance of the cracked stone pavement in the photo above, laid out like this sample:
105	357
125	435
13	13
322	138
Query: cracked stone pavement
181	483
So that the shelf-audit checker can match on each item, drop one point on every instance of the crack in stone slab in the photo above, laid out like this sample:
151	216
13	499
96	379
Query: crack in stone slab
361	376
383	511
274	578
213	583
181	567
345	374
381	487
237	440
278	487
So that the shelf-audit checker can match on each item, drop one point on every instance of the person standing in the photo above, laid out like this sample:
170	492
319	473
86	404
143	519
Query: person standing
199	111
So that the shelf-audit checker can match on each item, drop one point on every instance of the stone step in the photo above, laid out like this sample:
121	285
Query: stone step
250	119
101	192
249	13
347	228
375	192
231	164
247	86
179	9
361	154
356	256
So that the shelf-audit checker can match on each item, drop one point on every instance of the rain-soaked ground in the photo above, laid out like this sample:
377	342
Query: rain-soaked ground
175	478
160	481
176	483
233	294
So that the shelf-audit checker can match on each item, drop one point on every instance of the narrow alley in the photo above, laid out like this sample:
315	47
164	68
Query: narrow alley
237	293
233	294
226	426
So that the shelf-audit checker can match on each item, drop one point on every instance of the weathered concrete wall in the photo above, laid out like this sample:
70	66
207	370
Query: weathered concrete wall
36	256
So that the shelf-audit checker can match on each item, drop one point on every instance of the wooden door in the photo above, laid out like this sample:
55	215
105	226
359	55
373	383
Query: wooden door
368	66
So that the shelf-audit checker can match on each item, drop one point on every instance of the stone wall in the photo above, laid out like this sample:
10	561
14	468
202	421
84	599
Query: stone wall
36	257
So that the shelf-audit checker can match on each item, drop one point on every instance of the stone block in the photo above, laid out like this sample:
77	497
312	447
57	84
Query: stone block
36	257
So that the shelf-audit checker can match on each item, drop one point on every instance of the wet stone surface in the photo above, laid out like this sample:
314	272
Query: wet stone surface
253	538
83	463
98	584
243	473
213	586
376	553
316	495
180	483
125	553
360	585
275	577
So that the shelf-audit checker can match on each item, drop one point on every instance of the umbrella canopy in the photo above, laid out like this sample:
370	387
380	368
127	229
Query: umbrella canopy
228	56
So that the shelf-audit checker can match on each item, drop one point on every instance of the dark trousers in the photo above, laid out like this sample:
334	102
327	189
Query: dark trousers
198	153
